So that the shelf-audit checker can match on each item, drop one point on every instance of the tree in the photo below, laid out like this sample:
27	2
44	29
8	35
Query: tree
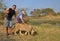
58	13
36	12
43	12
49	11
2	6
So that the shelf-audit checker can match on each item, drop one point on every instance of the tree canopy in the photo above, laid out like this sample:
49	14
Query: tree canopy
46	11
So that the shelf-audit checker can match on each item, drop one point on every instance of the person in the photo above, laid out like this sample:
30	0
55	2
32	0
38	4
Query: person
19	18
8	19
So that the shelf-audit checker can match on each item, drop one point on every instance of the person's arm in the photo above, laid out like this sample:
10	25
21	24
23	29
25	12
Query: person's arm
22	19
7	10
15	15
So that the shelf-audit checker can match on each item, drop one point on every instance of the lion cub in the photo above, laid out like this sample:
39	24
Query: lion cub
24	27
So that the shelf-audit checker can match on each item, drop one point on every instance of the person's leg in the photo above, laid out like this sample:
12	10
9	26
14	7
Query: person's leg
10	30
7	31
6	25
10	27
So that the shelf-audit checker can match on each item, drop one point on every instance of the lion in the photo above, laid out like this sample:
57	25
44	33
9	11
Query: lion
23	27
15	28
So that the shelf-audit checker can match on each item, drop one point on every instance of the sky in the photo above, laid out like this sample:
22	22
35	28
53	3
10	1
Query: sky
34	4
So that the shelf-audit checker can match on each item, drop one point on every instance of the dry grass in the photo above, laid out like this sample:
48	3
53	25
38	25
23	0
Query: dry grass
45	32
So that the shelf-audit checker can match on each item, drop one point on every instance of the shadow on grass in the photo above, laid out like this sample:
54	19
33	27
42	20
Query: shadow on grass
35	33
6	38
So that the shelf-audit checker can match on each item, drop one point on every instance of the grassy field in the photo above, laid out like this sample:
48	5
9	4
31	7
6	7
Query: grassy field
46	29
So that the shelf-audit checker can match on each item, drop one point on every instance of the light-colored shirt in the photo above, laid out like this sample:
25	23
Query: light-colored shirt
19	16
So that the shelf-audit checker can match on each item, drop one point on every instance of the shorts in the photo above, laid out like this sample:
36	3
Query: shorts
19	21
7	23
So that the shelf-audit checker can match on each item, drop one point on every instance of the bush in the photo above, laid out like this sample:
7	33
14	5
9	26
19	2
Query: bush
1	15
